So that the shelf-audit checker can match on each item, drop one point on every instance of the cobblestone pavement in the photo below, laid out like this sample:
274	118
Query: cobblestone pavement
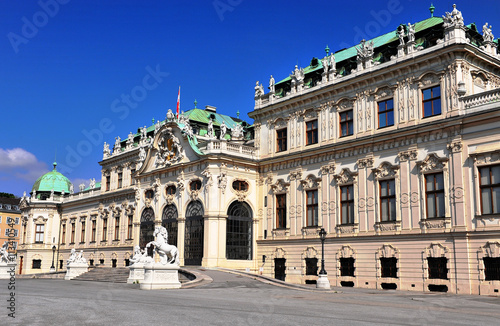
234	300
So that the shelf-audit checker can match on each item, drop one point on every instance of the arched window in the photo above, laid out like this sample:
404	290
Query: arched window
194	208
147	228
148	215
239	229
169	221
171	190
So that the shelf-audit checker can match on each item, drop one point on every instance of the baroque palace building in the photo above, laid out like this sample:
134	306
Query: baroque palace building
391	146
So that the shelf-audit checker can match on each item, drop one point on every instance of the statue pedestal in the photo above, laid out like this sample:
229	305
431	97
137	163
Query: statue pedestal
75	269
323	282
158	276
136	273
7	270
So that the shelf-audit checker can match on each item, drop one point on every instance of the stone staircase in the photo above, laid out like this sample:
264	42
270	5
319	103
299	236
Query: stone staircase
105	274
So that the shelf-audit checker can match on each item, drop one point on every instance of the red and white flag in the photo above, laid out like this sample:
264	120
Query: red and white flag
178	102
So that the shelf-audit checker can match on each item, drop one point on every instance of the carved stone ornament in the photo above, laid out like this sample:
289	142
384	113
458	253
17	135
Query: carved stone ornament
329	168
409	155
269	178
295	175
365	162
387	251
169	149
432	163
385	170
310	182
345	105
346	229
436	250
222	181
346	252
280	186
310	252
455	147
180	182
208	177
307	231
383	93
491	249
278	123
345	176
487	158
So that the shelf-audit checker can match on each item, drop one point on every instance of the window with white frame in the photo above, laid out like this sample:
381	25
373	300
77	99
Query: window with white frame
489	184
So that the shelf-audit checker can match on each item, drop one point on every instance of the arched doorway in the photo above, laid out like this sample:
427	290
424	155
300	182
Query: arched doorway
239	227
193	245
147	229
169	221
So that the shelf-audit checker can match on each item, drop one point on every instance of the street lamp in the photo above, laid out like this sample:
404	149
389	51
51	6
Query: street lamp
323	282
52	268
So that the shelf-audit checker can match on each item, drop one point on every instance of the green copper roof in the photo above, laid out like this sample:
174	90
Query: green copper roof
52	180
203	116
377	42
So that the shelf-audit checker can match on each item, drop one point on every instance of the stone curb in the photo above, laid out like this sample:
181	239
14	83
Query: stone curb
272	281
200	279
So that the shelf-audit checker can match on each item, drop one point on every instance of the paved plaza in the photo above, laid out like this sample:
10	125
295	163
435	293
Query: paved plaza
235	300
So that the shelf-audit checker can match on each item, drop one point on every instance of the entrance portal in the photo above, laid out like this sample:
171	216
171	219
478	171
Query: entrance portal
193	246
279	268
147	229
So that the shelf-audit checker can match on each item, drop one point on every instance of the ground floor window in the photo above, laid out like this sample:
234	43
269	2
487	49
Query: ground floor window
311	266
437	268
101	261
61	264
347	266
389	267
491	268
113	263
91	262
127	262
37	264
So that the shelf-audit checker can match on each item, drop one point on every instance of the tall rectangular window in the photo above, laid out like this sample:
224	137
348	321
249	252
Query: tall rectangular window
491	268
437	267
431	101
117	228
63	233
120	179
387	200
388	267
94	229
72	232
489	184
312	132
281	140
347	204
104	229
132	176
346	123
347	266
281	211
25	226
312	207
130	227
386	113
108	183
39	229
82	237
434	194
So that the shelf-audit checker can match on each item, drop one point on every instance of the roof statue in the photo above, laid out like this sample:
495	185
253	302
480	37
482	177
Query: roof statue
187	129
487	34
453	18
411	32
169	254
92	183
271	84
157	126
142	154
144	132
326	64
365	50
237	132
170	115
71	189
298	74
81	187
401	35
117	144
258	89
210	130
106	151
223	130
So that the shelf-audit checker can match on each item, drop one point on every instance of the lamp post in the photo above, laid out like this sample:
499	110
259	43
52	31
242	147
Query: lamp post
322	282
52	268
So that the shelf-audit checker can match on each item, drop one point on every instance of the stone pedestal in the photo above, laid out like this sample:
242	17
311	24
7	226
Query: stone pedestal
323	282
75	269
7	271
136	273
158	276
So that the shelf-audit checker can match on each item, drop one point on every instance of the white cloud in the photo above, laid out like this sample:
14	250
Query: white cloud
17	163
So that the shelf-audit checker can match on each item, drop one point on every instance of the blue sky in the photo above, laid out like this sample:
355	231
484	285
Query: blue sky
76	73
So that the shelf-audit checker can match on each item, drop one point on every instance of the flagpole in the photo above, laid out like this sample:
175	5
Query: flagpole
178	101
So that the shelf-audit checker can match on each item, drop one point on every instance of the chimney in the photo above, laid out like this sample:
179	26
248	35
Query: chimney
210	108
